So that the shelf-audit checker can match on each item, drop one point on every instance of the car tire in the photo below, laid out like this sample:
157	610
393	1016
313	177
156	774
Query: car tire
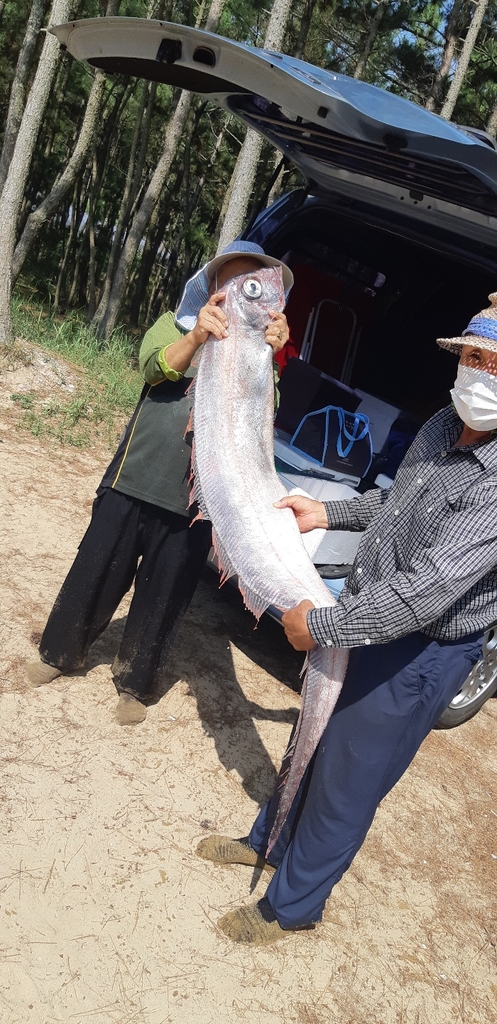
480	685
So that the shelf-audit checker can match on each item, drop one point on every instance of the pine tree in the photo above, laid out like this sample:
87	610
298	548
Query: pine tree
246	165
13	189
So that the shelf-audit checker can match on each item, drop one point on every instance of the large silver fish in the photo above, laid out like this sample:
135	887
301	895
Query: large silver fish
235	484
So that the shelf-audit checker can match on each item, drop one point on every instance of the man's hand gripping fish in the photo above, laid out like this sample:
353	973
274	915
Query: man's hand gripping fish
235	484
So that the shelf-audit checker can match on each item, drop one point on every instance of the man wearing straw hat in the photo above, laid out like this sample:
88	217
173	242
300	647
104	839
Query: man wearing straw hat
141	510
422	590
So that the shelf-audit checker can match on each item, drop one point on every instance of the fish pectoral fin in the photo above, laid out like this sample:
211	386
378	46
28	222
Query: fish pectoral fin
255	604
226	567
251	600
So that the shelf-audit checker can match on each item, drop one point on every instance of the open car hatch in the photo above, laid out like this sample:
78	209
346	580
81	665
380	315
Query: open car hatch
344	135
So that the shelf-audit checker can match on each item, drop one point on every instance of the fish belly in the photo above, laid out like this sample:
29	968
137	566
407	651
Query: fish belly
235	484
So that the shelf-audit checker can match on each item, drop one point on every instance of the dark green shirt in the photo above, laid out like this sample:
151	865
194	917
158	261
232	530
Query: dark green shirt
152	462
153	457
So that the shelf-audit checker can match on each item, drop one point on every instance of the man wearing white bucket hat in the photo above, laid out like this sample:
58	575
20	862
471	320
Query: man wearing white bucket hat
422	591
141	509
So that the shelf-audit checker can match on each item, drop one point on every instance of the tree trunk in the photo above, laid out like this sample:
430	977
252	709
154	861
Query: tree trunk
129	193
214	15
155	236
141	219
451	34
241	188
305	24
161	9
91	286
370	38
71	238
66	181
277	186
194	198
491	126
280	170
469	44
186	233
246	166
77	291
119	98
20	163
18	90
57	101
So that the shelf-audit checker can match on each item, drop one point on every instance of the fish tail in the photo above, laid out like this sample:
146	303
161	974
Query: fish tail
325	670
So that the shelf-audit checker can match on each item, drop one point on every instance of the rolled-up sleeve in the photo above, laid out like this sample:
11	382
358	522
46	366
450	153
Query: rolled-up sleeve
152	358
408	601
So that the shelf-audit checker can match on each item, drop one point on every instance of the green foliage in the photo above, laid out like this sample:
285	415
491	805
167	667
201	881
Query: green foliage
13	23
404	58
105	393
478	95
25	400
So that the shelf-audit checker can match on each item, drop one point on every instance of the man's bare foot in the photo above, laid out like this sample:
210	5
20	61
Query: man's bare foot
129	710
38	673
223	850
249	925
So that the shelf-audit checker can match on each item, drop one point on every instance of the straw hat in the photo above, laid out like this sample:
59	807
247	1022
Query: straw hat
482	330
196	292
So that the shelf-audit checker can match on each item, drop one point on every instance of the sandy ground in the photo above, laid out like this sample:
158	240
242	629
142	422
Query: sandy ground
106	916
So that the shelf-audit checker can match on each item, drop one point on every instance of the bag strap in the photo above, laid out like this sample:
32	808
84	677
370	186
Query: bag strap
360	428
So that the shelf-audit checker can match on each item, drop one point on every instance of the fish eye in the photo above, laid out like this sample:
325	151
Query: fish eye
251	288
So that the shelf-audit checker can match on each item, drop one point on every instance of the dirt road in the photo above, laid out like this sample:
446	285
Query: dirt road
107	917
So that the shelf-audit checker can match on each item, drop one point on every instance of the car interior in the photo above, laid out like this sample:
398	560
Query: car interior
365	310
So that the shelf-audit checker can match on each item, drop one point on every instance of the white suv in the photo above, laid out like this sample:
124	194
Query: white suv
392	243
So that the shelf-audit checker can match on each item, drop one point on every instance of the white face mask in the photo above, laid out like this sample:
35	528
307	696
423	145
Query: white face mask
475	398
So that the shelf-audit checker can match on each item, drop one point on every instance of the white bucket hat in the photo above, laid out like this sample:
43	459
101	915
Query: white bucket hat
481	331
196	291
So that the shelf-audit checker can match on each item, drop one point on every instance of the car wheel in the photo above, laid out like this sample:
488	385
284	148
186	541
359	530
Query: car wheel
480	685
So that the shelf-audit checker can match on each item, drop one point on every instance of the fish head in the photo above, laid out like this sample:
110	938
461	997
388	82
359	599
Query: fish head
250	297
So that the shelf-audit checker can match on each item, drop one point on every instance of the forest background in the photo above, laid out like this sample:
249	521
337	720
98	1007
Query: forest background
113	190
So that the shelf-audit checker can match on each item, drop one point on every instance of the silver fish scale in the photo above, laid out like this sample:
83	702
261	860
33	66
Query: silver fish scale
236	485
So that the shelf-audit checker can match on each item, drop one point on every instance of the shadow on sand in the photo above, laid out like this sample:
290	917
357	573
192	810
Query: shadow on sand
201	655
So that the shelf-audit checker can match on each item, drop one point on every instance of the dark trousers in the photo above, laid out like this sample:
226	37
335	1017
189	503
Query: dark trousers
173	554
392	697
